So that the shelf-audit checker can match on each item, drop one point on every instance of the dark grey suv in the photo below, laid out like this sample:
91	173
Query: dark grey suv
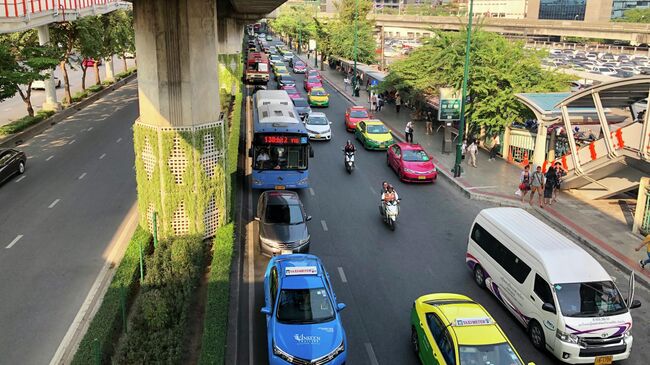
282	223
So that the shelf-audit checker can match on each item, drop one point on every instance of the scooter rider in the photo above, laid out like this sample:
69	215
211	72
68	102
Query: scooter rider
388	196
349	147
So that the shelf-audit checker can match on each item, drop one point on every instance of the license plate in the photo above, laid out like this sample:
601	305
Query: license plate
318	136
604	360
286	252
279	187
421	177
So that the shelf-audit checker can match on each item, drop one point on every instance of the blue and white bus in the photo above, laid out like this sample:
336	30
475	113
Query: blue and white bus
280	148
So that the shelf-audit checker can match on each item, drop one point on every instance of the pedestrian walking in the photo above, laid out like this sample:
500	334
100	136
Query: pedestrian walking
380	102
463	149
646	243
373	102
346	82
524	182
357	88
537	186
496	141
408	131
429	123
472	149
559	174
549	186
398	102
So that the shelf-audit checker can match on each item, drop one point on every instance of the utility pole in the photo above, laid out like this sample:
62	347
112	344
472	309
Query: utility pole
463	101
381	44
354	75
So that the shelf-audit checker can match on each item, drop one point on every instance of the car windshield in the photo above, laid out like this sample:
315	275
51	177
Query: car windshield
283	214
300	102
359	114
317	92
299	64
377	129
313	80
414	155
317	120
291	90
287	79
497	354
304	306
595	299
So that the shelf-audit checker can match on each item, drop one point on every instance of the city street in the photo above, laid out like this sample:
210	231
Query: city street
58	221
378	273
14	107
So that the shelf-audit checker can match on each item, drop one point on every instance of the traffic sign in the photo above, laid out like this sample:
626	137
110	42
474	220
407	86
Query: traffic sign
449	109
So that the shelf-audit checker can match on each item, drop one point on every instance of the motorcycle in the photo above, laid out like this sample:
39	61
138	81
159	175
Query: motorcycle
349	161
389	212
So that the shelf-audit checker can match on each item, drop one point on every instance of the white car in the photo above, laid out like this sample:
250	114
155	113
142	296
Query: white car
40	84
318	126
607	71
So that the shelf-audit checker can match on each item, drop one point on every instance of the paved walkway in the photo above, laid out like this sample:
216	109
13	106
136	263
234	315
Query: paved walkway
600	229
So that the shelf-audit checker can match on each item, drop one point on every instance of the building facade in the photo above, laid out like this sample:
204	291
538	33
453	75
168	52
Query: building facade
619	6
513	9
582	10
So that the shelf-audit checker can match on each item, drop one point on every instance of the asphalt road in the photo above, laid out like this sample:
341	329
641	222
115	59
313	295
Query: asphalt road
15	108
66	209
384	271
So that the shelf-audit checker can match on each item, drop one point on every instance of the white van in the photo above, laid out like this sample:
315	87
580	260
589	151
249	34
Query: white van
562	295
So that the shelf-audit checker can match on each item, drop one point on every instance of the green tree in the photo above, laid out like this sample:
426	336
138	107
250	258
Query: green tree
294	23
637	15
23	61
123	33
342	31
499	69
64	36
88	44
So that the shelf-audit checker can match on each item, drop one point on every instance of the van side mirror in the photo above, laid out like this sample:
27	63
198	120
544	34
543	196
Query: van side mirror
257	218
308	218
266	310
340	306
635	304
548	307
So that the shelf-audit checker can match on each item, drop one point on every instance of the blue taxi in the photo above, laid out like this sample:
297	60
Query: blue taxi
302	314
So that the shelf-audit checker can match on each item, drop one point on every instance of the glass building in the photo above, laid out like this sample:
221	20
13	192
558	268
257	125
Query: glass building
563	9
619	6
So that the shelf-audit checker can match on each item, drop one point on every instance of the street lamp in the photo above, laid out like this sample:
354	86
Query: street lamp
463	101
354	75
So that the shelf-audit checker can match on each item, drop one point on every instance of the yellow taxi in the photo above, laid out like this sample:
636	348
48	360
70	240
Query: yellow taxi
373	134
280	70
317	96
451	329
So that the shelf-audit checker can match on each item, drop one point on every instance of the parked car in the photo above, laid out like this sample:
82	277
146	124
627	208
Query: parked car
607	71
353	115
12	162
411	163
303	322
89	62
318	126
40	84
282	223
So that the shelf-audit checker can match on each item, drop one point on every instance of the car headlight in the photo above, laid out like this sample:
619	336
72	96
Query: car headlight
282	354
302	242
337	351
627	334
566	337
409	171
303	181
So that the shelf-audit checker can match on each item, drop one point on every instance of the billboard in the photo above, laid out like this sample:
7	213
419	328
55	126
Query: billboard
449	109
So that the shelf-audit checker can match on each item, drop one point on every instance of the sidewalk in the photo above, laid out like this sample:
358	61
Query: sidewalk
603	229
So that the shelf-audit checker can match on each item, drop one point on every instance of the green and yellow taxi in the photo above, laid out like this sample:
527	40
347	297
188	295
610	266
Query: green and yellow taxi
451	329
280	70
373	134
317	96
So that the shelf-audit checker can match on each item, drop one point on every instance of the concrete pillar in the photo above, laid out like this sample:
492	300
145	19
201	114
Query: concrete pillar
539	154
572	142
110	71
50	102
179	138
551	146
604	126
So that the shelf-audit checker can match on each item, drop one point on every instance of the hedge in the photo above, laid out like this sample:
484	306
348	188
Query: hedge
106	326
25	122
215	328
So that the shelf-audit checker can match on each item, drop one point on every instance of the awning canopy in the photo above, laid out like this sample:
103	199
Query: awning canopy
544	105
615	94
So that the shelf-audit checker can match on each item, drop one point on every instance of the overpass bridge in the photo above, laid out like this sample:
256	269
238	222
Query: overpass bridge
633	32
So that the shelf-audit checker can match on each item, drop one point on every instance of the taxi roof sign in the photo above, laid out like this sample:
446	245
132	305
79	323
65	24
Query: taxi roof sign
460	322
301	270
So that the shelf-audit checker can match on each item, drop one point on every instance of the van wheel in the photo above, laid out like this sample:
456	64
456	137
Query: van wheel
479	276
415	342
536	334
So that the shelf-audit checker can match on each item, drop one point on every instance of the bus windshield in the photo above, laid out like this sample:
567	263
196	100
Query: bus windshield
281	157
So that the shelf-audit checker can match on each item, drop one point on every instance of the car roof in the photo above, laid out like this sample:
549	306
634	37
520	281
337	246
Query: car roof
299	271
564	261
316	88
410	146
312	78
373	122
281	197
358	107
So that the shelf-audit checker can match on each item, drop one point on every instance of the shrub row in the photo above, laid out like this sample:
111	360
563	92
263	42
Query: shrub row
215	328
159	319
106	326
24	122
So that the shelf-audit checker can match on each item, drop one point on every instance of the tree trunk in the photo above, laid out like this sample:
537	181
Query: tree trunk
126	67
322	61
83	77
96	68
66	83
26	96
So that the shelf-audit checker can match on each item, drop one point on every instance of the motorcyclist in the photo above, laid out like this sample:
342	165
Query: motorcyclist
388	196
349	147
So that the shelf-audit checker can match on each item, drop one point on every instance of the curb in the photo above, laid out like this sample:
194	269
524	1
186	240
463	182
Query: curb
504	202
16	139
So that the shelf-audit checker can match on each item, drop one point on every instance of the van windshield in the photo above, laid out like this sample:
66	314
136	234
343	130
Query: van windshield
594	299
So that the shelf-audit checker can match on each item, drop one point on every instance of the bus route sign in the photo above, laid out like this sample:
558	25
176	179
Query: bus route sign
449	109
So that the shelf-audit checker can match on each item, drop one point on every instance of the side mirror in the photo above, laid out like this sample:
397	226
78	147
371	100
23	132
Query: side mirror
548	307
635	304
340	306
266	310
308	218
257	218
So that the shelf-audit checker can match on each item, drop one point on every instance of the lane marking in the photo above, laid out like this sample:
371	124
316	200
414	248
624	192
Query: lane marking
119	140
20	178
482	187
90	129
371	354
102	156
322	223
311	191
49	158
14	241
73	141
54	203
374	192
82	176
342	274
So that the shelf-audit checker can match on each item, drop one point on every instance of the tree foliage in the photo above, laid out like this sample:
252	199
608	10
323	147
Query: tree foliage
499	69
89	43
637	15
